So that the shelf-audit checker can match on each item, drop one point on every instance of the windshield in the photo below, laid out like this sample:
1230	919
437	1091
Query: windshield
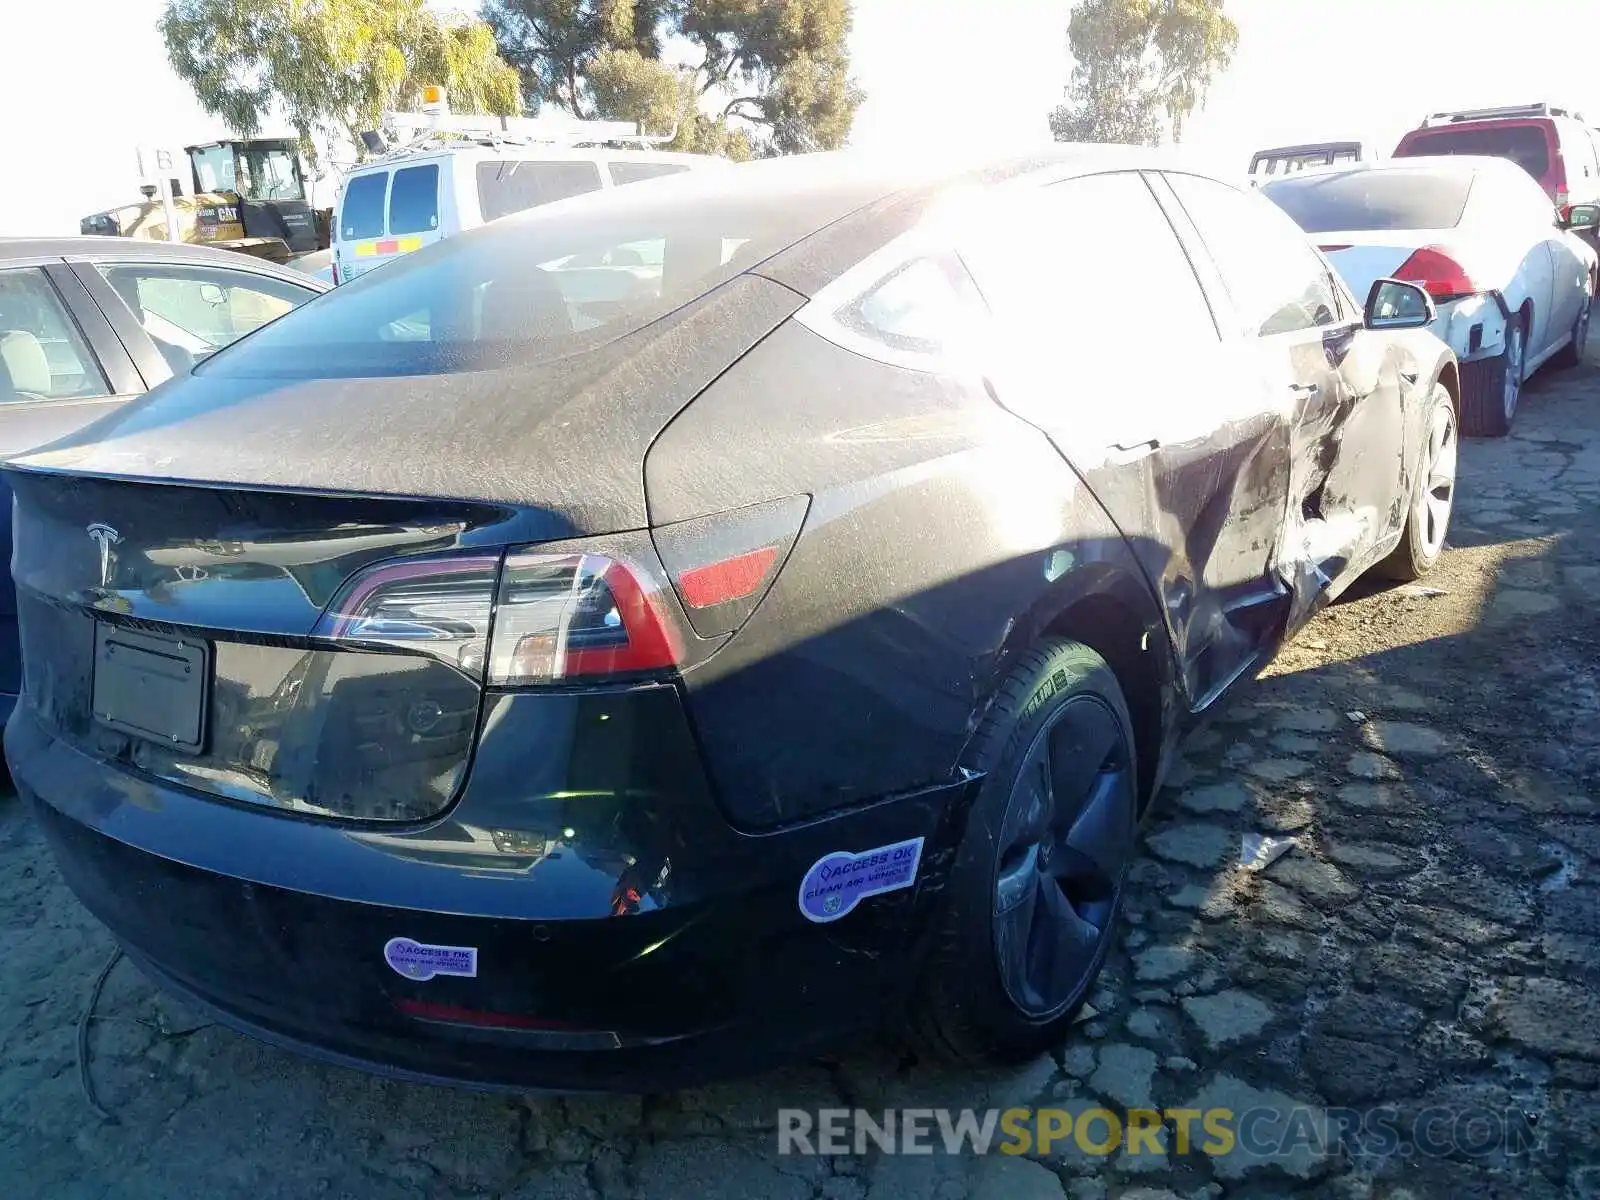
530	288
270	174
1373	200
1522	144
213	169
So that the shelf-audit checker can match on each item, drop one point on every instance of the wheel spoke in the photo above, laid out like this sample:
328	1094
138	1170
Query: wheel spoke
1079	746
1438	514
1015	882
1098	839
1066	943
1014	931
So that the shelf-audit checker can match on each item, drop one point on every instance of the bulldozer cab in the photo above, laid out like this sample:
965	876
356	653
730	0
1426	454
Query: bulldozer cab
258	170
263	179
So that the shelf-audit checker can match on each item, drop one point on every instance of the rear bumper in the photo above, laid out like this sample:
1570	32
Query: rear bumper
1473	326
626	937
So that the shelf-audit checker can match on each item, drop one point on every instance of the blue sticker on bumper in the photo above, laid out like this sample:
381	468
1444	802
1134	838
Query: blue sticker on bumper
836	884
417	960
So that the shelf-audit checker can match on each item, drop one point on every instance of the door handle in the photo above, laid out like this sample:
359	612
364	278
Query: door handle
1305	389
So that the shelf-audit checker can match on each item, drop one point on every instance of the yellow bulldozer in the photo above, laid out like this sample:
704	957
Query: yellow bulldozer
247	195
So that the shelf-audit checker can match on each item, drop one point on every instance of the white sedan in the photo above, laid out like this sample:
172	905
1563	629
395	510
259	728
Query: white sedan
1513	283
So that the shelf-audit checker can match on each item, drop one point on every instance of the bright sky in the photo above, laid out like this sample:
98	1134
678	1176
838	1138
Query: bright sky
87	82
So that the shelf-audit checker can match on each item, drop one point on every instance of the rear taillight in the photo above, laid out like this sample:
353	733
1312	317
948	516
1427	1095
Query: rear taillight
573	616
561	612
440	606
1438	273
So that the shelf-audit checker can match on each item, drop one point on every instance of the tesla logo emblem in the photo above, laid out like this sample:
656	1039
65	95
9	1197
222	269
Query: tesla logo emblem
105	537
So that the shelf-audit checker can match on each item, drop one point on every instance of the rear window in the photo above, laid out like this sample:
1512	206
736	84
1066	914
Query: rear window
506	186
414	200
361	214
528	289
638	172
1373	200
1525	145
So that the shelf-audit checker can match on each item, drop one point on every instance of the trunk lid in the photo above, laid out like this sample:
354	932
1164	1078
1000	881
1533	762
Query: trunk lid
228	584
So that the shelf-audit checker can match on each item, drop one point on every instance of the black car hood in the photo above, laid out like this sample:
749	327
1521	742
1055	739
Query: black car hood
567	436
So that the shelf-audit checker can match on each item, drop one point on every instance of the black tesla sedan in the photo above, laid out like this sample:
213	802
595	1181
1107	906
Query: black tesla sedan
649	636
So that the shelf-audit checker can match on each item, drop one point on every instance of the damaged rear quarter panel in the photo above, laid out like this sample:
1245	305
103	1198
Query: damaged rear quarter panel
942	538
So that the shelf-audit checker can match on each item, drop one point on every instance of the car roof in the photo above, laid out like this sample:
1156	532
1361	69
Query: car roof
101	247
841	180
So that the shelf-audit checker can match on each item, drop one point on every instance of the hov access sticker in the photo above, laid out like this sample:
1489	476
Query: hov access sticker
837	883
417	960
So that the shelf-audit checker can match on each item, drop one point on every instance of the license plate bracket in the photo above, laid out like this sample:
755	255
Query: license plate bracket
152	686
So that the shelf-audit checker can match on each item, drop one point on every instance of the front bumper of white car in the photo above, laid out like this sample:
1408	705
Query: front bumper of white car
1473	326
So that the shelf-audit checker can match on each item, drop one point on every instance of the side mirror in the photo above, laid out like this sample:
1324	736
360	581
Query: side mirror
1395	304
1582	216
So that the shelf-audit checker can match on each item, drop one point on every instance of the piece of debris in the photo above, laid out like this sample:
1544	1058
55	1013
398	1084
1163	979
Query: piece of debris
1314	644
1356	717
1087	1013
1258	851
1420	591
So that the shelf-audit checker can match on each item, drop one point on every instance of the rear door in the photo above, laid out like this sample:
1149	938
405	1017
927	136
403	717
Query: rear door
61	366
1338	391
1108	344
171	315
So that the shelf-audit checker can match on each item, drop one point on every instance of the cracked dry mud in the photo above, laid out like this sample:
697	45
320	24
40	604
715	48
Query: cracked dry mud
1432	939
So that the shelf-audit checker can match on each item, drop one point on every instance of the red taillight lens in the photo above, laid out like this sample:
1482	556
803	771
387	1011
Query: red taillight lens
1438	273
568	616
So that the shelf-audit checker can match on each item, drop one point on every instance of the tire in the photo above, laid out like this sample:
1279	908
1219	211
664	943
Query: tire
1571	355
1433	494
981	999
1489	405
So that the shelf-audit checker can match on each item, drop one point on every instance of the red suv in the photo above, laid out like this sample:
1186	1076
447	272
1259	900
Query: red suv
1551	144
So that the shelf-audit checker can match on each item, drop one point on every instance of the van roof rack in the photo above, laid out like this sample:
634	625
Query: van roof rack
1541	109
423	132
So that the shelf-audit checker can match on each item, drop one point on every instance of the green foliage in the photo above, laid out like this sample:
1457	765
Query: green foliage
1140	67
779	69
331	67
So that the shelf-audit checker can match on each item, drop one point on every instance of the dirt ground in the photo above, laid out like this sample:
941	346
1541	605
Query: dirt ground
1429	943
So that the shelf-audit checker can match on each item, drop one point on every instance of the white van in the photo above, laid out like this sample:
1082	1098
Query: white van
412	198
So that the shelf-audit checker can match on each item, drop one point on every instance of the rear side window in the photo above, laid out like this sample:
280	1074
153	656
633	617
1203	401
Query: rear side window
1373	200
925	308
361	214
414	200
1526	145
1276	281
638	172
506	186
1091	263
